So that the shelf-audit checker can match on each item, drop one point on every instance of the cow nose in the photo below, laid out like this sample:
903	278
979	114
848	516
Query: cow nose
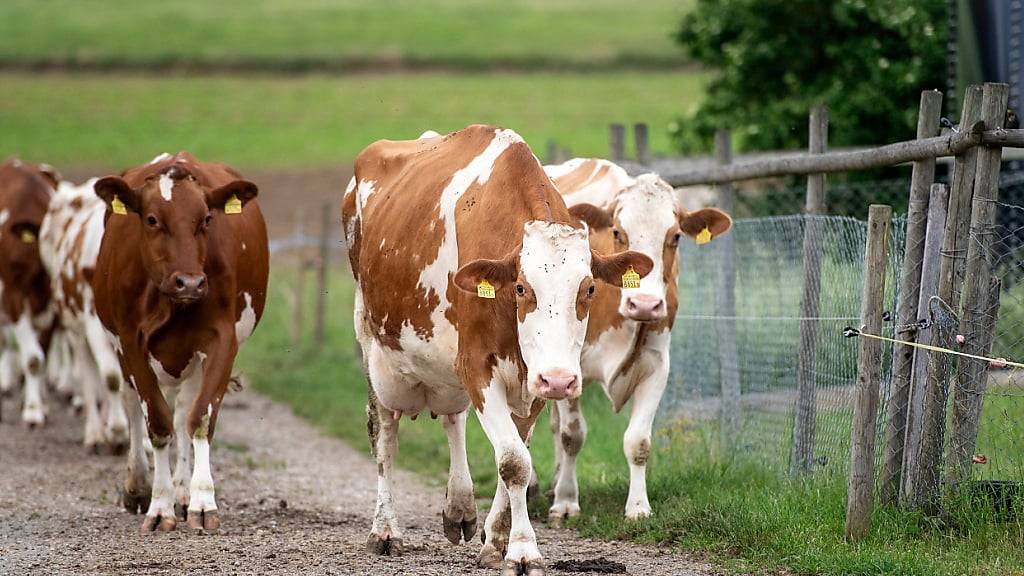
189	286
557	384
645	307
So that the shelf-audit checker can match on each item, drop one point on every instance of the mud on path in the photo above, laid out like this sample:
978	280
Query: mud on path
292	501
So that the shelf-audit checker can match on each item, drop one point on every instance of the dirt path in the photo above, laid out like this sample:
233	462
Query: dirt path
293	502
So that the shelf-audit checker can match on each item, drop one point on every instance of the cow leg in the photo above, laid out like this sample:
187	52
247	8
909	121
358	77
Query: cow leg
30	354
138	487
514	467
572	434
85	368
10	372
385	536
183	446
459	515
637	439
109	372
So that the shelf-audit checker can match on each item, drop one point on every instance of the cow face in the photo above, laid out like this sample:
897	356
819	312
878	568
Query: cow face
175	213
551	278
645	217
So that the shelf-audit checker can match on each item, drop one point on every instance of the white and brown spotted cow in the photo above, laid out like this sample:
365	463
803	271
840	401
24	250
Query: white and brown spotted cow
26	311
180	281
474	288
627	347
69	242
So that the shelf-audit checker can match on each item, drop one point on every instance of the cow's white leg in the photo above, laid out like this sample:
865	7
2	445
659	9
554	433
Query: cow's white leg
32	365
514	468
138	486
160	515
184	446
459	514
89	378
497	526
386	536
637	439
109	372
570	438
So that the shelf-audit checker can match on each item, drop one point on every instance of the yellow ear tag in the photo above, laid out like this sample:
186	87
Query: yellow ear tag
703	237
117	206
28	237
484	289
630	279
233	205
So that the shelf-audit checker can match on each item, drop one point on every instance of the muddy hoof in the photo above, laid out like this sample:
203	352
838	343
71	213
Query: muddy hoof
524	568
490	557
181	511
383	545
135	502
456	530
158	524
117	448
207	520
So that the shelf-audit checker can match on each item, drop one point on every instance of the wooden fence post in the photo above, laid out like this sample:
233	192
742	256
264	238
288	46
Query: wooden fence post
298	303
642	143
617	142
731	407
805	424
930	421
974	318
869	368
325	257
906	310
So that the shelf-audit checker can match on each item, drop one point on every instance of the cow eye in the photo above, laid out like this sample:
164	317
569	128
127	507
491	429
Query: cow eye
209	218
520	290
615	233
151	220
675	239
590	291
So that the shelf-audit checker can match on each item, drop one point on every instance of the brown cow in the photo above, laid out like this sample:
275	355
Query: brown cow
26	311
474	287
627	348
180	280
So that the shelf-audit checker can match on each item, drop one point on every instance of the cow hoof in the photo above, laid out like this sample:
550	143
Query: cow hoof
383	545
524	568
33	416
490	557
158	524
207	520
117	448
558	514
181	510
456	530
134	501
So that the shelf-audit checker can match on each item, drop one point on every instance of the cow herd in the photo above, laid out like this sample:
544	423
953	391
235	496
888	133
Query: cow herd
484	280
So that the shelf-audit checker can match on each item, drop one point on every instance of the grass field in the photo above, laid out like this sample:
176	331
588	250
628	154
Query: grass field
297	32
309	121
742	514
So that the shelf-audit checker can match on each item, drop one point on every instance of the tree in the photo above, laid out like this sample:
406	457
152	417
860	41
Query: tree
867	60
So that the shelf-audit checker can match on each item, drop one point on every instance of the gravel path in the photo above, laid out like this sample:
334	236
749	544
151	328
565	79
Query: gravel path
292	502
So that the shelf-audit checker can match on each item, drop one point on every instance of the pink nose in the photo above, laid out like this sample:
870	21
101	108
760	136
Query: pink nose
644	307
557	384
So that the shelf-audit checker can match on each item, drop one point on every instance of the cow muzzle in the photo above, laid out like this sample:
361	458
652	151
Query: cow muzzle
644	308
187	288
558	385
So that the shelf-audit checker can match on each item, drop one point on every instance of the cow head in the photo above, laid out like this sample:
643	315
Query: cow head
550	277
27	190
645	217
175	212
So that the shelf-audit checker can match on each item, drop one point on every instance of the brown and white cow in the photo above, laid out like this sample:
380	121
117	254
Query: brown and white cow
69	242
180	281
433	226
627	346
26	311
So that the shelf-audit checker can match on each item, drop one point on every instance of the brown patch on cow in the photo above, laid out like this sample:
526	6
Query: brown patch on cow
76	203
372	421
585	297
642	453
582	175
572	440
595	218
513	471
525	302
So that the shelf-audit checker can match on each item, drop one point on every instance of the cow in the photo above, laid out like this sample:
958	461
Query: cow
180	283
474	284
69	242
26	311
628	337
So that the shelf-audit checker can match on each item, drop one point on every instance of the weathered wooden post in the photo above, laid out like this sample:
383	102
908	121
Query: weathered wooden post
731	407
642	143
869	368
929	420
299	292
906	309
805	425
325	257
617	142
974	318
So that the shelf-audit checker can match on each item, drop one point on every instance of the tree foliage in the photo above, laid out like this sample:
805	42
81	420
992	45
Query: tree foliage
867	60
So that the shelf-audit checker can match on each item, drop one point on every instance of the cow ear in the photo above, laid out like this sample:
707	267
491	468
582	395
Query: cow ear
693	223
596	218
611	268
243	190
50	174
113	187
496	272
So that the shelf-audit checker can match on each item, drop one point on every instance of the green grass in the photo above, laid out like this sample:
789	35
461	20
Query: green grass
313	121
293	32
741	513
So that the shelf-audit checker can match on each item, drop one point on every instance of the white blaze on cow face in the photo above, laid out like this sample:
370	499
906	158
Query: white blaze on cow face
645	215
166	187
554	263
